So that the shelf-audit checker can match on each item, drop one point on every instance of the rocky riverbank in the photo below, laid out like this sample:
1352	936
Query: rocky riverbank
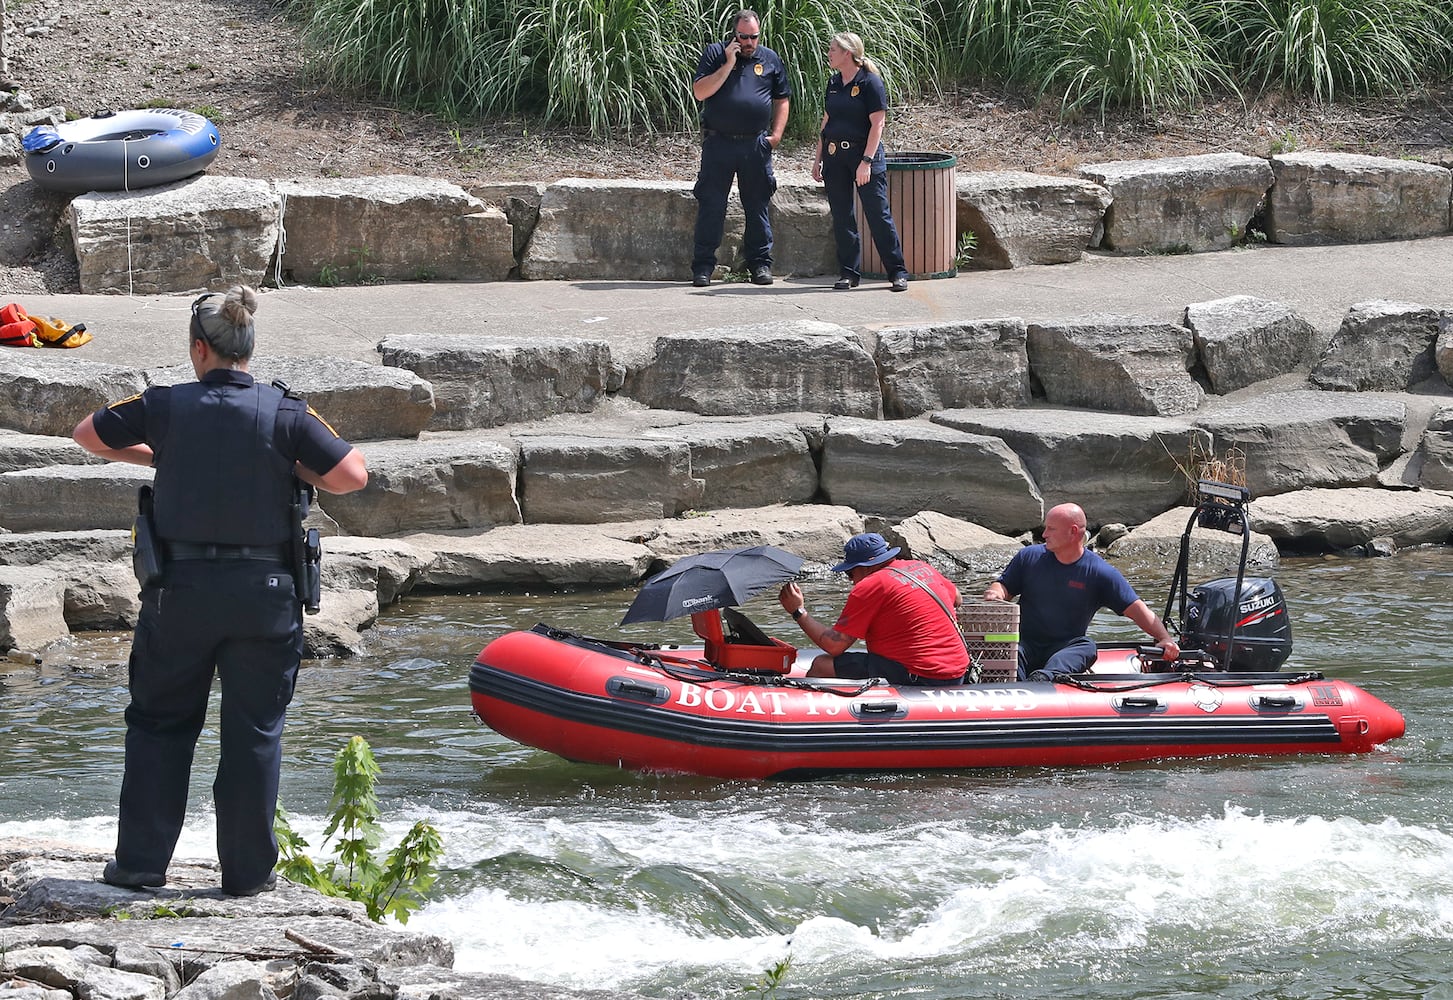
502	462
66	934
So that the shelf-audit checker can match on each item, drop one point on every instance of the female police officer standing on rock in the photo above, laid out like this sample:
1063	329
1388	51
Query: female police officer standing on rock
850	155
226	451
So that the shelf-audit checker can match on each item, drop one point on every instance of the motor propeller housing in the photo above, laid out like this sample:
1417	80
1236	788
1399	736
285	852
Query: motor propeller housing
1263	630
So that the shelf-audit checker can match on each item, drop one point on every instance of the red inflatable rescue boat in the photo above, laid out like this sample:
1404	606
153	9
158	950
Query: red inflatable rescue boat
741	707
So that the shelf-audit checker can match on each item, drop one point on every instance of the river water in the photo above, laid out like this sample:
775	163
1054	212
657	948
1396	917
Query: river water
1316	877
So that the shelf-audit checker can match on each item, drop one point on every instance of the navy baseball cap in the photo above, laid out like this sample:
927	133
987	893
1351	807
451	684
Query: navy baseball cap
867	549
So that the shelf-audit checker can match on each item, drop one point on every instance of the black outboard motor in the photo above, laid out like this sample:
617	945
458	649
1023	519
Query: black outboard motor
1259	622
1250	634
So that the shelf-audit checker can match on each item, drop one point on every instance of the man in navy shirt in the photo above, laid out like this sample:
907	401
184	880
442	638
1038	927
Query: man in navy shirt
744	92
1060	585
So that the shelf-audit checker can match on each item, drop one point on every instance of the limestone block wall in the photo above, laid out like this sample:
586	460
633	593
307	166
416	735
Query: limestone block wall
209	232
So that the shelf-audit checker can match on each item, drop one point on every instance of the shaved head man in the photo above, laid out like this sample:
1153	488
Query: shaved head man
1060	585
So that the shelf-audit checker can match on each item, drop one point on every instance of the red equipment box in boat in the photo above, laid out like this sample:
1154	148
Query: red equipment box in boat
745	648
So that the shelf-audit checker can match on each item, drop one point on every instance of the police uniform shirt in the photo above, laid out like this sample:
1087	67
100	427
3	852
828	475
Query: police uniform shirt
743	105
848	106
299	434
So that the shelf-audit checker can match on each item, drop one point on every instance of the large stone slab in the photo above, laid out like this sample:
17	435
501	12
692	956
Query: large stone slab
71	497
778	367
948	365
1242	339
1125	364
207	232
802	241
1294	440
360	401
355	230
431	485
387	567
816	532
32	608
1443	349
488	381
1120	469
519	201
746	462
1157	542
99	595
1180	203
623	229
31	214
1435	451
337	628
1347	518
903	467
575	479
1380	346
49	392
955	547
34	451
642	231
27	548
1022	218
533	555
1349	198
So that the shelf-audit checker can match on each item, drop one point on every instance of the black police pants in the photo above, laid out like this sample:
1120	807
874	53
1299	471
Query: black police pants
240	620
839	178
749	160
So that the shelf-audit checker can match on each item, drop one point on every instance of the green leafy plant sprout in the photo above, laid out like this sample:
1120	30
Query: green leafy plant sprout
361	274
771	979
964	255
394	888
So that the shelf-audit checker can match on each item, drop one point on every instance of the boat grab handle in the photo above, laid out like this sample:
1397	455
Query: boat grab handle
626	687
1140	701
878	707
1276	701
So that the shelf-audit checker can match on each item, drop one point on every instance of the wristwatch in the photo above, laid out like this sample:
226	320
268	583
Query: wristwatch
797	614
867	159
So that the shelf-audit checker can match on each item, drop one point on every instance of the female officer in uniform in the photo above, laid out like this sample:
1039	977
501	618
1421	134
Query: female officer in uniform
226	451
850	155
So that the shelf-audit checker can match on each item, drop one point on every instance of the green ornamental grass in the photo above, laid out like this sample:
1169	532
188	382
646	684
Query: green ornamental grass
622	67
1338	48
1132	53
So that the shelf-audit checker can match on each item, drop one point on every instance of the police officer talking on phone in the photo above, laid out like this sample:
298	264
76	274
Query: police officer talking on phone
226	452
744	91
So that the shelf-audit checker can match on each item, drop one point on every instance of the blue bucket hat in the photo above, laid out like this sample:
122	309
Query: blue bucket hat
867	549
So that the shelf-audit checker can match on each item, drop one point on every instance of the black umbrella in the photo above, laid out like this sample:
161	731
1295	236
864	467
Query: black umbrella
711	580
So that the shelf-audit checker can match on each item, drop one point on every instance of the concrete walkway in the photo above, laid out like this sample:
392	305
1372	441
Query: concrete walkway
1319	282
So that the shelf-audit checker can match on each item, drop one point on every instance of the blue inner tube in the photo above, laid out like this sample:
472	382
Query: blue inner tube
120	150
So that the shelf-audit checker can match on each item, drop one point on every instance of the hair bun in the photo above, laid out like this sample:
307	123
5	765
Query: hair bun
239	305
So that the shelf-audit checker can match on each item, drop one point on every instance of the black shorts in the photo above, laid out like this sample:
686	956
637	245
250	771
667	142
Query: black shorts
861	666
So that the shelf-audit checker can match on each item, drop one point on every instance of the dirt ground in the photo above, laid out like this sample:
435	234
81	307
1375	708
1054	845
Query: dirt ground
242	64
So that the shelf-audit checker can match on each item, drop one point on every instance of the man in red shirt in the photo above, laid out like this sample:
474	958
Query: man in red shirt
905	611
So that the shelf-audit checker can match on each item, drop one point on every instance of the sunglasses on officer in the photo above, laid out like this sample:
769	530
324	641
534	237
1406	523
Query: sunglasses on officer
744	37
198	333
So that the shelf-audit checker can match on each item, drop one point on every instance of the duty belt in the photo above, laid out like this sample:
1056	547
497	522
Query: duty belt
730	135
178	551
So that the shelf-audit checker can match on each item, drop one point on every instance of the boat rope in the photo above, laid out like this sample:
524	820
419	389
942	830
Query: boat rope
1090	683
693	670
282	240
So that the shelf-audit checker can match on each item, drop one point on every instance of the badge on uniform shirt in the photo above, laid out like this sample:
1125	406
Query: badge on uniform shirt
832	149
855	90
757	69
